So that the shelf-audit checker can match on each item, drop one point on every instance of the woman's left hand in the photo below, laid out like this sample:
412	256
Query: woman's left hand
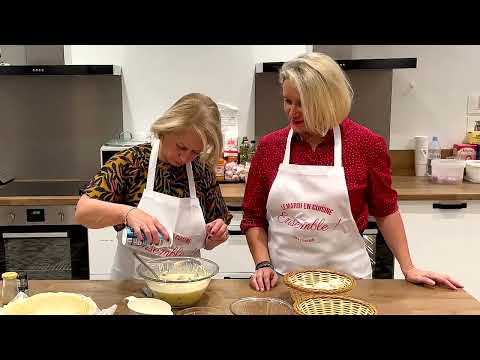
431	278
217	233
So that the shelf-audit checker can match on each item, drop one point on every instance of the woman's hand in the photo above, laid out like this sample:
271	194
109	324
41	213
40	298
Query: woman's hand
140	221
264	279
431	278
217	233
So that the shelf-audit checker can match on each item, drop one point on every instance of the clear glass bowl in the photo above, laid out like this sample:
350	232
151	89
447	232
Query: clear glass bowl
201	310
182	280
261	306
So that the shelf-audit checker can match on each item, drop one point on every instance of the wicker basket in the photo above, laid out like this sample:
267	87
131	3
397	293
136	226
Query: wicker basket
301	282
333	305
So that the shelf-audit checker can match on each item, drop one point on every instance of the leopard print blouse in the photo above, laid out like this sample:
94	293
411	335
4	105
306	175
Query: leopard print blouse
124	176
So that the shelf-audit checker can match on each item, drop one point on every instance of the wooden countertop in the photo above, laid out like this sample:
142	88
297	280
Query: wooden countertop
39	200
408	188
421	188
389	296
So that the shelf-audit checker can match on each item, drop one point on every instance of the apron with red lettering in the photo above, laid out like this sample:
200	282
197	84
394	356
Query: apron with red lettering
310	220
182	217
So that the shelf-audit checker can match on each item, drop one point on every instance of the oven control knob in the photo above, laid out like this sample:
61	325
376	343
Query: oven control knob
62	215
11	217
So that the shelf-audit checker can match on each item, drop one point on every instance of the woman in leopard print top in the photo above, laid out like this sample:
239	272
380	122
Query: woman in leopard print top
188	133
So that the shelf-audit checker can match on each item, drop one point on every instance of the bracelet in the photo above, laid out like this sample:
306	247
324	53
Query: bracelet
126	215
264	264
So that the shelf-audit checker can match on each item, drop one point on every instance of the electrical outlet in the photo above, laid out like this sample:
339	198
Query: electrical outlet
473	104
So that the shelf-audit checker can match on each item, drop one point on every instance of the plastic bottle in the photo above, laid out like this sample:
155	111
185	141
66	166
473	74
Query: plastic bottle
434	152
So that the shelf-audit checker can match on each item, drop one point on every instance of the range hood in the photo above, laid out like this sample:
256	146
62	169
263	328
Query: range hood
353	64
41	60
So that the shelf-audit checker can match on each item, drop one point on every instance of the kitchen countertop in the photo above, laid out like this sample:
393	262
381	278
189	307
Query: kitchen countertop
389	296
408	188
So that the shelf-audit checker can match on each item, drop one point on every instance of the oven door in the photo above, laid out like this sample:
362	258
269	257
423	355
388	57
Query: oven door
45	252
381	257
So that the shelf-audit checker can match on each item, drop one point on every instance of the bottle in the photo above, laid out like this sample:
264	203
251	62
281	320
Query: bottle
220	170
22	282
253	149
434	152
131	236
477	126
9	287
244	150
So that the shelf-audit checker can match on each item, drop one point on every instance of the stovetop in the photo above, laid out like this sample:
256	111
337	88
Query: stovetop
42	188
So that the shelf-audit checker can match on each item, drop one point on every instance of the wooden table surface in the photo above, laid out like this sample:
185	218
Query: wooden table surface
389	296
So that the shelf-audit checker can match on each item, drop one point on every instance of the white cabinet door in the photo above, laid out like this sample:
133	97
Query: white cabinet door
444	240
102	244
233	256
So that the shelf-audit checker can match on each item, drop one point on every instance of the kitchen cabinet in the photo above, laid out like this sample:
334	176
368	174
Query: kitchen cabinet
443	237
102	244
233	256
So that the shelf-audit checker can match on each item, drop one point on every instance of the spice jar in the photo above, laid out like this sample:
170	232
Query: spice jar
9	286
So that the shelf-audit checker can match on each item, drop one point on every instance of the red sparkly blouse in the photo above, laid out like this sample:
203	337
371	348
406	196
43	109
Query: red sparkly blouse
365	160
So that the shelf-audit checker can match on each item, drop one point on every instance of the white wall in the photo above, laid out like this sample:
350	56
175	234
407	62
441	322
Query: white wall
437	103
155	76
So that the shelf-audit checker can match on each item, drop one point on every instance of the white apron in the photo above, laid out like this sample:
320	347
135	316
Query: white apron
310	220
182	217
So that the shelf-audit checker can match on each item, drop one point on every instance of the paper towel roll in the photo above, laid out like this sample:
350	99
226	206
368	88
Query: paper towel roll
421	142
421	156
420	169
421	149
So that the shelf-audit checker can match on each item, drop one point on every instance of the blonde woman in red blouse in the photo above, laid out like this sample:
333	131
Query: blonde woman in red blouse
312	185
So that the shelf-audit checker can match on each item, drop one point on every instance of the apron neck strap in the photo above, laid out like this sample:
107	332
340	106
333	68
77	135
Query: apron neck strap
337	150
286	157
152	168
152	164
191	181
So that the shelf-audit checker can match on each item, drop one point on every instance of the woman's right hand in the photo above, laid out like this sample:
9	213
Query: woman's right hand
140	221
264	279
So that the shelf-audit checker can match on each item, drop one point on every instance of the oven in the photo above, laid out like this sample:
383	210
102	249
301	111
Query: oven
44	242
381	257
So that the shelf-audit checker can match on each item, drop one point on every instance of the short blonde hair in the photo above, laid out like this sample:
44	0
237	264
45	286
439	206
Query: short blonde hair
324	89
200	113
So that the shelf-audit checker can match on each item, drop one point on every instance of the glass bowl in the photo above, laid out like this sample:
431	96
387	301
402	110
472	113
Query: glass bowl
201	310
182	280
261	306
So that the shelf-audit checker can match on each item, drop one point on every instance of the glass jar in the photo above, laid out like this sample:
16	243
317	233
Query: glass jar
9	287
22	282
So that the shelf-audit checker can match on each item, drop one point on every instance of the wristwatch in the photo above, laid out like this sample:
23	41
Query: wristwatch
264	264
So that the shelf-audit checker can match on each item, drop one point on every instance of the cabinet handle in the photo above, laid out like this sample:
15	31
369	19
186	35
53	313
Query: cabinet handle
235	232
450	206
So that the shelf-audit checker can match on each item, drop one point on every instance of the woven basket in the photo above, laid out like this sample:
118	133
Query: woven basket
301	282
333	305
